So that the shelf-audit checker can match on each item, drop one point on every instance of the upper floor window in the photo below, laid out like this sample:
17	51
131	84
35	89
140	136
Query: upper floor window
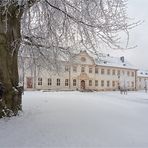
133	74
74	82
108	71
83	69
66	82
102	71
128	73
66	68
83	59
39	81
49	81
123	72
58	82
118	72
74	68
96	70
113	72
90	69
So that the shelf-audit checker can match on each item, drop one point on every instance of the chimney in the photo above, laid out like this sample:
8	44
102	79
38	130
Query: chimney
122	59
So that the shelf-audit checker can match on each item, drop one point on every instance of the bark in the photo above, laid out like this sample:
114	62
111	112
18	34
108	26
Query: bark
9	46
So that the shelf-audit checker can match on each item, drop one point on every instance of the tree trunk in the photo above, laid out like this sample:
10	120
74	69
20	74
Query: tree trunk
10	35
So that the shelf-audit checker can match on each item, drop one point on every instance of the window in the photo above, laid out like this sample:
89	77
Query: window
74	69
132	74
49	81
66	68
113	83
108	71
58	82
102	83
108	83
118	72
139	79
128	84
96	82
90	69
96	70
113	72
74	82
39	81
83	59
123	72
128	73
29	82
132	84
90	82
102	71
82	69
66	82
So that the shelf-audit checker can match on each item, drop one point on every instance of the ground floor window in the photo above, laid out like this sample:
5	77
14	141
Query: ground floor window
96	82
74	82
108	83
29	82
49	81
39	81
132	84
58	82
90	82
102	83
113	83
66	82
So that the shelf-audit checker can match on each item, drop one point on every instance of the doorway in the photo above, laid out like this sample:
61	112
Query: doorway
82	84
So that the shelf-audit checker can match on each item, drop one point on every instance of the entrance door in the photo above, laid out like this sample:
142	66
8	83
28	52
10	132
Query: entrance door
82	84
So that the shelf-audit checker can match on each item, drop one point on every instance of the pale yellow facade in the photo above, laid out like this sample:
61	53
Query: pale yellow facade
81	74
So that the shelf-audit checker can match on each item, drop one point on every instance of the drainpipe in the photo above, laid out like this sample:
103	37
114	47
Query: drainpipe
69	77
135	80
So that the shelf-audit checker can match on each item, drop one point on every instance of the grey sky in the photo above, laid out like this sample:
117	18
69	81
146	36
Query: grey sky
137	9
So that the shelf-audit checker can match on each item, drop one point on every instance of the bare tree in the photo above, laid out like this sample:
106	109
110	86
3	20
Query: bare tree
53	28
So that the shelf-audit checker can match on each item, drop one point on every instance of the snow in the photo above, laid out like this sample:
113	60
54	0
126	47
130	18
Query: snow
111	61
78	119
142	73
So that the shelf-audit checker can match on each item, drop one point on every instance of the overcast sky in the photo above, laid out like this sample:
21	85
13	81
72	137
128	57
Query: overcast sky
137	9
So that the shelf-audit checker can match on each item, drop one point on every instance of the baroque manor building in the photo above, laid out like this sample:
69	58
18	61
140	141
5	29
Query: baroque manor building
85	72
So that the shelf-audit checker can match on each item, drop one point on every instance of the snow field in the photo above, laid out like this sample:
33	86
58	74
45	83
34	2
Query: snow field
76	119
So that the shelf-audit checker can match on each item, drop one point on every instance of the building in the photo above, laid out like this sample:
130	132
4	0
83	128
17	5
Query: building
142	80
83	72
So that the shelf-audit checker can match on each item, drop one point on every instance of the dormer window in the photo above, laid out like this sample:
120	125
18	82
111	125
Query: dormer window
83	59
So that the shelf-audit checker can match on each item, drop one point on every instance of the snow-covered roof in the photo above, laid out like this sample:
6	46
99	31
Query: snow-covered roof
102	59
142	73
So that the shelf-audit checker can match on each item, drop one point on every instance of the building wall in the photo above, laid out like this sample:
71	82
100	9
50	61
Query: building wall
125	78
142	82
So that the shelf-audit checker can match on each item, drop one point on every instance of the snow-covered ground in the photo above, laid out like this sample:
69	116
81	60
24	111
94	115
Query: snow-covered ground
76	119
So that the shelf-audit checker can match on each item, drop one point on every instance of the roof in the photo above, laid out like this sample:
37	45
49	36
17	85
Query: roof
142	73
102	59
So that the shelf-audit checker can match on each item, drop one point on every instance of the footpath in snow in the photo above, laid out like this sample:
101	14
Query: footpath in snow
76	119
